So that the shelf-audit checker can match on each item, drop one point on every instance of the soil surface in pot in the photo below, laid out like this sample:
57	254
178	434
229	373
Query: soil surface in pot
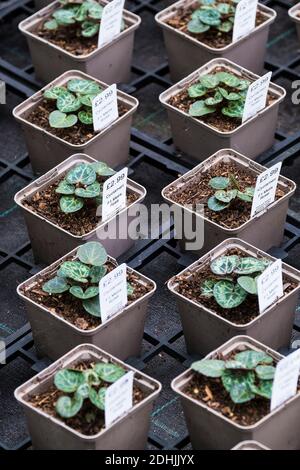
211	392
77	135
46	204
89	420
189	286
212	38
69	39
217	119
198	191
70	308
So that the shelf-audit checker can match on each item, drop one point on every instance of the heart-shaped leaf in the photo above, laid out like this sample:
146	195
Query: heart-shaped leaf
265	372
70	204
68	103
248	284
238	385
92	306
225	196
82	173
57	285
219	182
84	87
229	295
98	397
199	108
207	288
224	8
263	389
97	273
224	264
74	270
234	109
89	293
215	205
102	169
86	100
68	380
109	372
51	25
197	90
95	10
229	96
216	99
54	92
251	359
209	367
228	79
64	16
68	407
196	26
65	188
209	81
249	265
225	26
247	195
210	16
91	191
92	253
59	120
86	117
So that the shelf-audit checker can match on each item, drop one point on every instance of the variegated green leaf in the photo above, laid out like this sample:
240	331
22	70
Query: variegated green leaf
60	120
248	284
92	253
249	265
207	288
97	273
84	87
86	117
54	92
219	182
109	372
65	188
97	397
82	173
224	264
209	367
57	285
92	306
197	90
229	295
251	359
68	380
102	169
90	191
70	204
89	293
74	270
68	103
214	205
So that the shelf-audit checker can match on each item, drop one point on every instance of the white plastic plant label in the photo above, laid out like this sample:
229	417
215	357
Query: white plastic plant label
118	398
269	285
114	193
113	292
285	379
244	19
111	22
256	97
105	108
265	188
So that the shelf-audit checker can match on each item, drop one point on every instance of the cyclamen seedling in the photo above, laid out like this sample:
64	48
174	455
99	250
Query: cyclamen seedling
240	279
81	276
85	385
227	191
221	92
73	102
247	376
85	16
213	15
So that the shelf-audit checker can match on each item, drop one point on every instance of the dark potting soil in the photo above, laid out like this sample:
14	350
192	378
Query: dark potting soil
78	134
217	120
89	420
213	37
198	191
46	204
189	285
70	308
70	39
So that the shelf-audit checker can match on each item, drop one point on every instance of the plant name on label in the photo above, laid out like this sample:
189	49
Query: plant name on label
256	97
111	22
265	188
118	398
285	379
105	108
244	19
269	285
114	193
113	292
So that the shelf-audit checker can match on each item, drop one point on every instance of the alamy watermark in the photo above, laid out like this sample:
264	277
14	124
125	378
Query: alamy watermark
296	94
2	92
140	221
2	352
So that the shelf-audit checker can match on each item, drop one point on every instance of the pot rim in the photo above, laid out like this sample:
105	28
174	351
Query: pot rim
250	443
231	344
168	12
242	160
210	66
25	27
70	357
46	179
32	101
289	271
292	13
94	330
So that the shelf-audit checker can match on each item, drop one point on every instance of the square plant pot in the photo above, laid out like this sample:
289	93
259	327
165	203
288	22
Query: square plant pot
46	150
186	53
258	230
110	63
250	445
209	429
200	140
205	330
120	336
129	432
49	241
294	14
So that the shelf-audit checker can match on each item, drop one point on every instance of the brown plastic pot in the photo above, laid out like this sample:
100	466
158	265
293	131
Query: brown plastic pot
186	53
111	145
50	242
293	12
259	230
200	140
110	63
204	330
48	433
120	336
250	445
209	429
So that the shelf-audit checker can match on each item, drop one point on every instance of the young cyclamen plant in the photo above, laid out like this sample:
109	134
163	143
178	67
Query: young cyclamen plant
240	279
81	276
82	385
227	191
83	16
213	15
221	92
247	376
80	186
75	97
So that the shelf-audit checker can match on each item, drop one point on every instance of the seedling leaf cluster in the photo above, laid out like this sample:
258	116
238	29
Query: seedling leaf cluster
213	15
